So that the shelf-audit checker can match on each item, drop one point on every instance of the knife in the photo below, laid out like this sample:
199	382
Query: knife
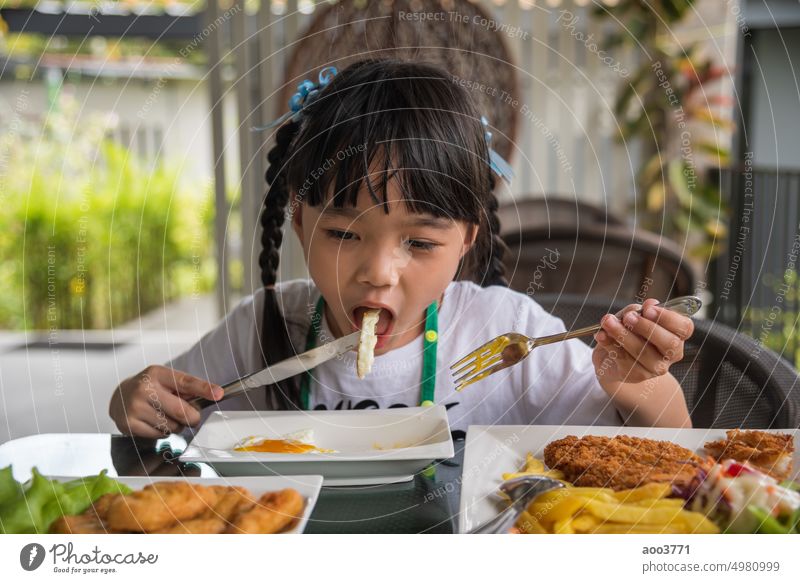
284	369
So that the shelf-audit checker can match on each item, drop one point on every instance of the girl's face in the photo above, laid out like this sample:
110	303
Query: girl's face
362	258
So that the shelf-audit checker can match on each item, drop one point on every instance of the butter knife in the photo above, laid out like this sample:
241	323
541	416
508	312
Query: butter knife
284	369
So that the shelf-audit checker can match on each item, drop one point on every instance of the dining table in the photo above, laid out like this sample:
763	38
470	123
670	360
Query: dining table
429	503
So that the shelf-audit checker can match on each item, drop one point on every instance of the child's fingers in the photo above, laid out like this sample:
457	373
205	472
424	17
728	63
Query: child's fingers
150	413
185	384
643	353
680	325
178	409
142	429
667	343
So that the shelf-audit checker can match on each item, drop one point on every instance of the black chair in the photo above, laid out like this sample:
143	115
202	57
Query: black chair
565	246
528	212
729	380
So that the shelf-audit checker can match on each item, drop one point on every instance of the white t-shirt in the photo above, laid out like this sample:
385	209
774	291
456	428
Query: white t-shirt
555	385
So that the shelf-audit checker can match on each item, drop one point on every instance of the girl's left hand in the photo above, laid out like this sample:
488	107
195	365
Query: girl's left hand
643	346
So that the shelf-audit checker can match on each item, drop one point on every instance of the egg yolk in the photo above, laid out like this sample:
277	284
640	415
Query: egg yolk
280	446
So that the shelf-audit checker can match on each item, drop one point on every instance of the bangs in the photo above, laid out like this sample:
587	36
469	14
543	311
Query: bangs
407	123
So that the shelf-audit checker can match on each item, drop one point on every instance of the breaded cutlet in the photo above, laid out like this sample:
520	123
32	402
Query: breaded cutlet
622	462
768	452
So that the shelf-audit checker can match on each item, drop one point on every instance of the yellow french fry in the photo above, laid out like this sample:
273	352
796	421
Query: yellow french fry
697	523
584	522
533	465
549	513
549	473
663	503
529	525
646	492
632	514
615	528
601	494
563	526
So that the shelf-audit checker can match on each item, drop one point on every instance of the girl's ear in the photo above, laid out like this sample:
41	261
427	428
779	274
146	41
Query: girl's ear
297	222
470	236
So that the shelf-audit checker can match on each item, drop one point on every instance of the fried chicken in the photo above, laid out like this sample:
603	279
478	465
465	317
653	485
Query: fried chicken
769	452
622	462
183	508
90	522
86	523
231	501
195	526
159	505
274	512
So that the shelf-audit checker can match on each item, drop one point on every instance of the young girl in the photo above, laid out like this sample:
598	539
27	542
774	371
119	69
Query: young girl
386	177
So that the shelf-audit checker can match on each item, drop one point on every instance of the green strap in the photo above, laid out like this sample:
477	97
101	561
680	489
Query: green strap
430	340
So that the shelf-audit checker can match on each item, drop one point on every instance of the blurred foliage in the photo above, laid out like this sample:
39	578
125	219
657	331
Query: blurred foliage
668	104
31	45
776	327
90	236
108	50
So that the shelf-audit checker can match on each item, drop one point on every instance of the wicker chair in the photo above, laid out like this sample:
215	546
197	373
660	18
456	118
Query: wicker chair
562	246
729	380
529	212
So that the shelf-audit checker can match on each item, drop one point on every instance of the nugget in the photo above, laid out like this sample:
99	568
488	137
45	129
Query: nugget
159	505
89	522
622	462
769	452
231	501
86	523
102	504
274	512
195	526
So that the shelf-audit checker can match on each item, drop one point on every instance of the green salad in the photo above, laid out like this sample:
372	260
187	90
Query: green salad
31	507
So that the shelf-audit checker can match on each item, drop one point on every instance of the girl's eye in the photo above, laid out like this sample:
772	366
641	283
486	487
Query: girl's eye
340	235
420	245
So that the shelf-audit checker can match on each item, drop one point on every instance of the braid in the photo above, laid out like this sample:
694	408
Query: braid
496	249
275	342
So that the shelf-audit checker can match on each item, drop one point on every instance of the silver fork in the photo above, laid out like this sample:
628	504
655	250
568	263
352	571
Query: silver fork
510	348
521	491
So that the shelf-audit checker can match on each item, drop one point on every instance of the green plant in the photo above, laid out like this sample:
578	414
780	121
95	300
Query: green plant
90	236
665	104
776	326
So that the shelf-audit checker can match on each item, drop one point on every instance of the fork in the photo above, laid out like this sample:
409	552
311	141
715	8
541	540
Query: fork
521	491
510	348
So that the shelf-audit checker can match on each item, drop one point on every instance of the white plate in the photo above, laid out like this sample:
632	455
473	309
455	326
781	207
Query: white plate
372	447
492	451
307	486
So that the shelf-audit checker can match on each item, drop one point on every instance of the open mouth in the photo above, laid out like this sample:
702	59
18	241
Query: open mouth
385	322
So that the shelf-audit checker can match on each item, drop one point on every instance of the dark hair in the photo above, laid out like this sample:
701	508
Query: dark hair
416	123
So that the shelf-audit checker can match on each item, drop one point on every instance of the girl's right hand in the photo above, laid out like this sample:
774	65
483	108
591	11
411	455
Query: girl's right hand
154	403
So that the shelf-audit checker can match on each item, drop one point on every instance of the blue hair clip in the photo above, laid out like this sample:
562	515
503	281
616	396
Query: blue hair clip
496	161
307	92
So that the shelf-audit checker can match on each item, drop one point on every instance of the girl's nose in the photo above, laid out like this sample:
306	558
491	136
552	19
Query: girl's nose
383	265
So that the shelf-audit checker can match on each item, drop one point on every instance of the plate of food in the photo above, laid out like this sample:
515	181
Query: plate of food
636	479
101	504
346	447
